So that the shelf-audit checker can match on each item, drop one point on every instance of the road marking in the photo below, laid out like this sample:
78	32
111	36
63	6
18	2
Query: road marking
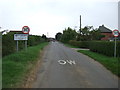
71	62
63	62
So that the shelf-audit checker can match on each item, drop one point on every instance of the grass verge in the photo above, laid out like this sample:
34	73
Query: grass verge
71	46
111	63
15	66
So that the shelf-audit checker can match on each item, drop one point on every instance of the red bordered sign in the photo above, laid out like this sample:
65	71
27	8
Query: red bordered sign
26	30
115	33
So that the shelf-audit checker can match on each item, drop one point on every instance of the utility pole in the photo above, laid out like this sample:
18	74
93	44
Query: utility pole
80	24
47	34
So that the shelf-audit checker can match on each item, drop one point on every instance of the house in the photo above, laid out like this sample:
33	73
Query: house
106	32
16	32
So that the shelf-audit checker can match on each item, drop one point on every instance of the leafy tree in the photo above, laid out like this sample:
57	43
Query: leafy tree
58	36
68	34
85	34
44	37
89	33
96	34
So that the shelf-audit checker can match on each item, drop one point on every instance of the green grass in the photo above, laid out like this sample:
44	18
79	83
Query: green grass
71	46
15	66
110	63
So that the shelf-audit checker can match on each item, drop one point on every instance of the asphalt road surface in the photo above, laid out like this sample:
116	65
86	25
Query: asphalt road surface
63	67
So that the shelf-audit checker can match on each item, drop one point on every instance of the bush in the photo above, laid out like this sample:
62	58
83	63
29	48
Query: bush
80	44
104	47
9	44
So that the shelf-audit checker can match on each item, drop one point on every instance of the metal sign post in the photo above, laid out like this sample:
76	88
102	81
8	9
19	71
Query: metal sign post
115	48
26	30
24	36
116	34
25	44
17	46
21	37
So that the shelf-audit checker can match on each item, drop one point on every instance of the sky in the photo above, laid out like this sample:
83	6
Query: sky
52	16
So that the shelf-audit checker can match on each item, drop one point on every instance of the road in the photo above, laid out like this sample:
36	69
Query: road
58	71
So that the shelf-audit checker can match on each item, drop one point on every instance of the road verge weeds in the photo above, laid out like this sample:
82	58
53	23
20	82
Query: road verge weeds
17	65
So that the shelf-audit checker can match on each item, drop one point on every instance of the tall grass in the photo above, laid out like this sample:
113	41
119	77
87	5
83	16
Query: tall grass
15	66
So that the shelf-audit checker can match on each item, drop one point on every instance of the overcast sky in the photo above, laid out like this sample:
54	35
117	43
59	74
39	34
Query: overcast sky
52	16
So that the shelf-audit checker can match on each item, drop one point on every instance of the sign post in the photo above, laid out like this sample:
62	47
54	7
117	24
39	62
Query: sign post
25	44
24	36
116	34
115	48
20	36
17	46
26	30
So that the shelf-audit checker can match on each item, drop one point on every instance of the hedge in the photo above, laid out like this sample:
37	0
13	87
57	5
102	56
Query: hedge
9	44
103	47
80	44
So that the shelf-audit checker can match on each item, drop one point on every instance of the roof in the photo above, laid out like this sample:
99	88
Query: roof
103	29
17	32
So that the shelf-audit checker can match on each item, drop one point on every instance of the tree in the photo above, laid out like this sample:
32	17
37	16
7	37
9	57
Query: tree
85	34
96	35
89	33
58	36
68	34
44	37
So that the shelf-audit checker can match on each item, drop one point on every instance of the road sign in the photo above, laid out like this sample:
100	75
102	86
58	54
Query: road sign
20	36
115	33
26	30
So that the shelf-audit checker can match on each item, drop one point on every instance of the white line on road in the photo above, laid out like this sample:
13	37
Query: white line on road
63	62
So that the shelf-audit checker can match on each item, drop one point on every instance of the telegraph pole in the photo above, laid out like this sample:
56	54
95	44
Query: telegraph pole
80	24
47	34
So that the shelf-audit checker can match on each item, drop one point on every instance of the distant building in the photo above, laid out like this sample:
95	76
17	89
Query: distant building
15	31
105	31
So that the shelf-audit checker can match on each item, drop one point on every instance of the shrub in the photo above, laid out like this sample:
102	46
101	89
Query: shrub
80	44
9	44
104	47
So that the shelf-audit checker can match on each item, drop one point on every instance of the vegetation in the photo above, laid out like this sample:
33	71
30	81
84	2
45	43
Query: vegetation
68	34
88	33
79	44
17	65
71	46
58	36
102	51
104	47
9	44
90	38
110	63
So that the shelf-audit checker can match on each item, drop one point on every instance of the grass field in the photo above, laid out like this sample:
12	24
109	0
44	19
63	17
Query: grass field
111	63
15	66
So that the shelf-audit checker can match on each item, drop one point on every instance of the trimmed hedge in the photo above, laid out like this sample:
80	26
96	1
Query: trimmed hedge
103	47
80	44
